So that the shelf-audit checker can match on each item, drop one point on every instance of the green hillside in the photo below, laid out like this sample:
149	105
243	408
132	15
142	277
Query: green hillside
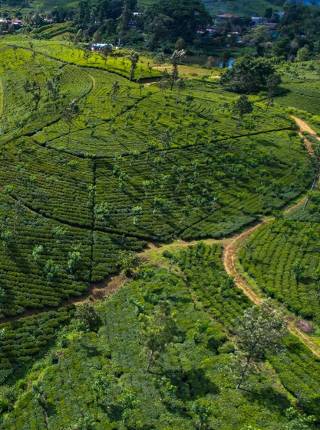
113	312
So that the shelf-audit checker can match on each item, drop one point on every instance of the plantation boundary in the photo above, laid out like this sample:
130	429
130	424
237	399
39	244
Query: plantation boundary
231	245
230	255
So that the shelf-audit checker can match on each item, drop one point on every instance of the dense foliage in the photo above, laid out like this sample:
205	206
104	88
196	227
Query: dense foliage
185	319
250	75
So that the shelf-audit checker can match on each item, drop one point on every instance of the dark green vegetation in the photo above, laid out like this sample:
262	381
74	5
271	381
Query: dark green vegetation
166	336
283	259
242	7
250	75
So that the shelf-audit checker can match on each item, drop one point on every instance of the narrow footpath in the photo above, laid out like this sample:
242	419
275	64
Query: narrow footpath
231	246
230	255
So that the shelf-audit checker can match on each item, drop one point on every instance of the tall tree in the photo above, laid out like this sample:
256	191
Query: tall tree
175	59
248	75
242	107
173	19
259	332
134	58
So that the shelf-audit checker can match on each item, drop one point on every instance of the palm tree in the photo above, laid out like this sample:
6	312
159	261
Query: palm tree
175	58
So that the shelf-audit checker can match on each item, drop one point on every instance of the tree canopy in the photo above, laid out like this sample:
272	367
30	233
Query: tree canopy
174	19
248	75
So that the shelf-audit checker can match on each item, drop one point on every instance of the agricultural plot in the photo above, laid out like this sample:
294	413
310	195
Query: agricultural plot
283	259
64	51
192	374
36	90
296	367
57	186
137	120
44	262
25	340
79	193
183	192
300	86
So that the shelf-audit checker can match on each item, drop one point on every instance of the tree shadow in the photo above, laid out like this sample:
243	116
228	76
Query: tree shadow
191	384
269	397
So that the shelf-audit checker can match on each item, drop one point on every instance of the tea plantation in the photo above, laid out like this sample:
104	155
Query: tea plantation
95	166
107	368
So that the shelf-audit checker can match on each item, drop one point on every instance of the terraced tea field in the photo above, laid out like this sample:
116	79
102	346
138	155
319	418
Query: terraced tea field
95	166
205	306
300	86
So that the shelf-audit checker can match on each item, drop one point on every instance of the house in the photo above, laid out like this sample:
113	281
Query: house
226	16
17	22
101	46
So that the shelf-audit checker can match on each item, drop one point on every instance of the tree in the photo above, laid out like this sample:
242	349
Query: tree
74	260
106	51
128	261
103	211
180	44
51	270
201	411
88	317
258	36
115	89
124	19
248	75
259	332
273	83
303	54
134	58
7	236
242	107
169	20
175	59
137	213
69	114
159	331
37	251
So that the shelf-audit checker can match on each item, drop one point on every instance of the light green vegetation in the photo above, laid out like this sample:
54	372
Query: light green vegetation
66	52
58	30
300	86
282	256
103	376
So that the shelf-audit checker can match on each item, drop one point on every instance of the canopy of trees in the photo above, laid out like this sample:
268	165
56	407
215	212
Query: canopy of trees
249	75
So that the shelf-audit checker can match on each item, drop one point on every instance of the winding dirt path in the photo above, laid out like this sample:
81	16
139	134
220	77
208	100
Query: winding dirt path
230	257
305	128
230	262
98	291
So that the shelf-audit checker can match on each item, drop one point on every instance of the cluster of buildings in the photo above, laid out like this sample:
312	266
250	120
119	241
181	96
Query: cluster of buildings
233	27
17	23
